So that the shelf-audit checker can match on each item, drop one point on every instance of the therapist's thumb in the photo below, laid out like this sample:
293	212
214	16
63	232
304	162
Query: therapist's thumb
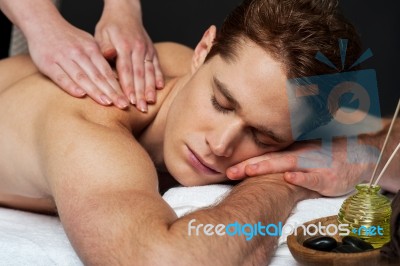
107	48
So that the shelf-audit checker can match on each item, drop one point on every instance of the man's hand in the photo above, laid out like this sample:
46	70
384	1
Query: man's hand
330	170
121	35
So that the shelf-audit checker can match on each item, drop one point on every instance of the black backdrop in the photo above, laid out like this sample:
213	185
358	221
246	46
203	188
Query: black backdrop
185	21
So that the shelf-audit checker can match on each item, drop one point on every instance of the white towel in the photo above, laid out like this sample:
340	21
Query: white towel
188	199
33	239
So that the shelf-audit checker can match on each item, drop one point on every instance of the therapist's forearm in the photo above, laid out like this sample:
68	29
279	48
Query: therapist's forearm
32	17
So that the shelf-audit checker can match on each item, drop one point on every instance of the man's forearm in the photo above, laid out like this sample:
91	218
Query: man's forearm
259	200
390	180
118	227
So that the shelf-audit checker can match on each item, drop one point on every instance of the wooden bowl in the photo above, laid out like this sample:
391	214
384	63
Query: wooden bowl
307	256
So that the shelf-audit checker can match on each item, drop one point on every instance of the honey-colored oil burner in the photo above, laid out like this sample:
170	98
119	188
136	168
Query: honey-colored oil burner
367	213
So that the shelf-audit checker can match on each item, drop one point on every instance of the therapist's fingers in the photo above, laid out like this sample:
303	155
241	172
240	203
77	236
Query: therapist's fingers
62	79
98	71
271	165
312	181
237	171
324	182
79	76
104	78
150	83
125	74
157	72
138	62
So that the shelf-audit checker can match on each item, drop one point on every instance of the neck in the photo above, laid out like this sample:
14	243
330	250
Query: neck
152	138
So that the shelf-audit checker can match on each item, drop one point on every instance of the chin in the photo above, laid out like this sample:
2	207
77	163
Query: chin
189	178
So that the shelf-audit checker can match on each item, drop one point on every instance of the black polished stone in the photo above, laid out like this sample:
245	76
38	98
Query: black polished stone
321	243
357	242
347	249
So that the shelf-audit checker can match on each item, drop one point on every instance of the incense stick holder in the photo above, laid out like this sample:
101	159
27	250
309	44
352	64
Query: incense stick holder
367	214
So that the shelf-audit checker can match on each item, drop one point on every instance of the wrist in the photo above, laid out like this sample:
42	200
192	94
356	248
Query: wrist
112	7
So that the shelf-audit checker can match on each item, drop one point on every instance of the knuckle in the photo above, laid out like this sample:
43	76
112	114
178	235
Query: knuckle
125	46
98	77
140	45
314	181
80	76
149	88
150	69
91	48
139	73
76	52
125	69
61	79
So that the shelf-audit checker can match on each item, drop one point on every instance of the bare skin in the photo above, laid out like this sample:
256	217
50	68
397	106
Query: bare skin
95	166
23	184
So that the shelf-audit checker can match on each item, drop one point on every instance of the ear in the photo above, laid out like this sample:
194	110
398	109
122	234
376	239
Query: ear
203	48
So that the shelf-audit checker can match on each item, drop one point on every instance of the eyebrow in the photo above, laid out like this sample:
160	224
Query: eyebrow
221	87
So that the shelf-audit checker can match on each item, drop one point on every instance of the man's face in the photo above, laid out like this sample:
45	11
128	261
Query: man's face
227	112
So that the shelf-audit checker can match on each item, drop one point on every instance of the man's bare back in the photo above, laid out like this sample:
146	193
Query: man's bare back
31	106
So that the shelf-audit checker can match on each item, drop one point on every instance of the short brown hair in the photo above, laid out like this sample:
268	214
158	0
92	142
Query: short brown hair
292	32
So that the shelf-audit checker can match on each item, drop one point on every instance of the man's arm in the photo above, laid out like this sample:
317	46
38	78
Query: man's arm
105	188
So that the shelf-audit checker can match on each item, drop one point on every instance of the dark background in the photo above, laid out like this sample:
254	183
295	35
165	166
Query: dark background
185	21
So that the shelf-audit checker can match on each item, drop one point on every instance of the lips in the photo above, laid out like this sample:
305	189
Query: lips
196	161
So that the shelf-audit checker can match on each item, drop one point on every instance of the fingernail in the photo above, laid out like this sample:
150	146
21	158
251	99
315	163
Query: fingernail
132	98
80	92
122	103
234	170
142	106
104	99
160	84
150	97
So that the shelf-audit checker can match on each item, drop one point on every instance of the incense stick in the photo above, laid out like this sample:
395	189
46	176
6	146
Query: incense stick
387	163
386	140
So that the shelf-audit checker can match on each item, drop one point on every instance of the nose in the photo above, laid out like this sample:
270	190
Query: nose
223	138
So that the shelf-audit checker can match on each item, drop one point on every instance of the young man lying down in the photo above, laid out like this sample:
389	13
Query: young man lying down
223	103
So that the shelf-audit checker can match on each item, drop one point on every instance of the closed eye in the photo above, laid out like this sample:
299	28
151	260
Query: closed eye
257	141
219	107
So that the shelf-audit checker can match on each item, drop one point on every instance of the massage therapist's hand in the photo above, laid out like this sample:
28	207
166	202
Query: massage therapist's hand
73	60
121	35
308	165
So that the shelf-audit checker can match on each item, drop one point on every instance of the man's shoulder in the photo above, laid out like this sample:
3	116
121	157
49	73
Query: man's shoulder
175	58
